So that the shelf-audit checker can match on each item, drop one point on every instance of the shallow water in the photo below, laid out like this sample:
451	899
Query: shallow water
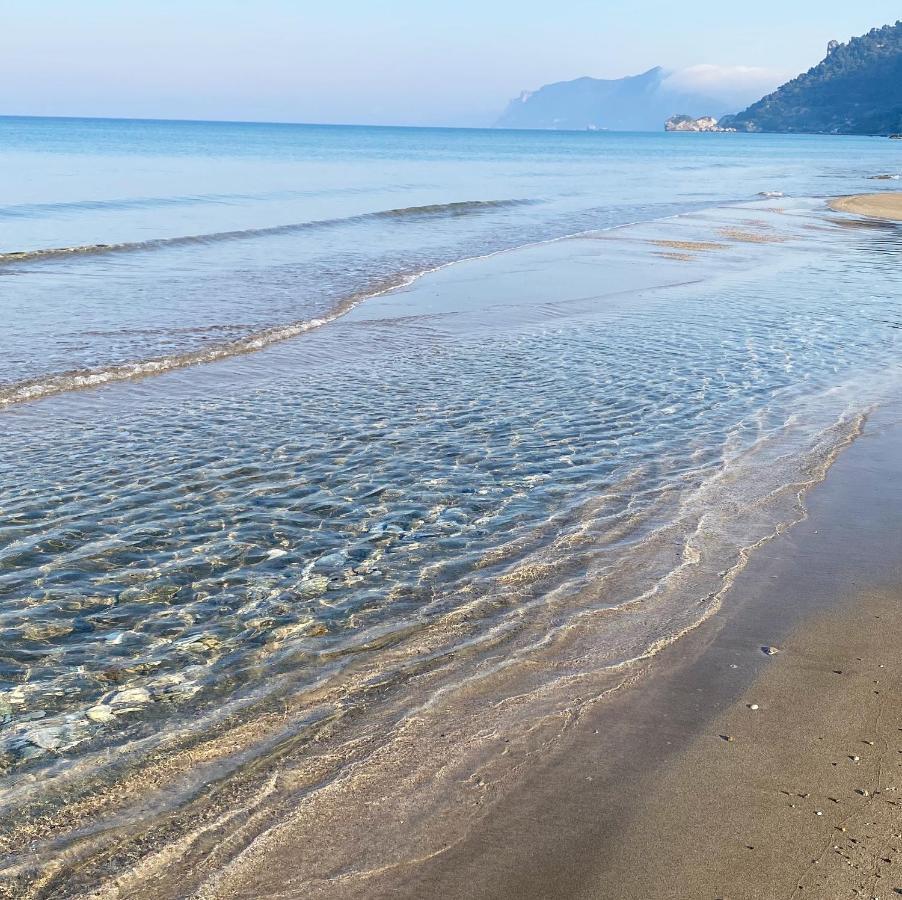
520	472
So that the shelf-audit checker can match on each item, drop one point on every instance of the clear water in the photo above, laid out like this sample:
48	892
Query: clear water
546	462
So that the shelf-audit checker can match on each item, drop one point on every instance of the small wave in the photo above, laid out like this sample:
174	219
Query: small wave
32	210
39	387
82	379
45	386
434	210
771	195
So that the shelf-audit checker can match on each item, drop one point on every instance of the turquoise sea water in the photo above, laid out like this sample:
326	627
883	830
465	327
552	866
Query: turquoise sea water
335	503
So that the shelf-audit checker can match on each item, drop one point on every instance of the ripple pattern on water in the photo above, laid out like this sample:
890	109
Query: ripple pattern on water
398	495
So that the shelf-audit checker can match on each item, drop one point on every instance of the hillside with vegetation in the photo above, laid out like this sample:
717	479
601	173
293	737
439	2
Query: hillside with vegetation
857	89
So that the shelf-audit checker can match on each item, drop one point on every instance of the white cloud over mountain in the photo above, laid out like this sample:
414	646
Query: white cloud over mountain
736	85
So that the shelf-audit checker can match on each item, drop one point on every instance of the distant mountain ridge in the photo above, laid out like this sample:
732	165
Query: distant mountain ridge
856	89
635	103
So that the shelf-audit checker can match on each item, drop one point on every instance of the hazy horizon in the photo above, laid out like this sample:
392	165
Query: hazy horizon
401	64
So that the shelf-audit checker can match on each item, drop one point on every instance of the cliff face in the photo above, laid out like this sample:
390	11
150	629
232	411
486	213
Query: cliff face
856	89
636	103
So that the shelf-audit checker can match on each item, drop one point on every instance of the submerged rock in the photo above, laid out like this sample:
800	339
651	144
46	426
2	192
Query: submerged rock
45	631
100	714
46	738
331	563
130	696
384	529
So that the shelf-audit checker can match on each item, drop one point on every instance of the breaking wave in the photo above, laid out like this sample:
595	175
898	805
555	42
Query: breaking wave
80	379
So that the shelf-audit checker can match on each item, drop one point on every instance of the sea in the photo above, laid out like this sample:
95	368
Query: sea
319	439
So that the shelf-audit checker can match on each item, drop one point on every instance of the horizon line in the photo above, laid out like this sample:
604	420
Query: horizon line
197	121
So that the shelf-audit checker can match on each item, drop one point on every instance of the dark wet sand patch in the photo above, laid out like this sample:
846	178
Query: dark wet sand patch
695	246
751	237
682	257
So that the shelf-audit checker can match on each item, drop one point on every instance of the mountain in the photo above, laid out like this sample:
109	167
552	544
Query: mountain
636	103
857	89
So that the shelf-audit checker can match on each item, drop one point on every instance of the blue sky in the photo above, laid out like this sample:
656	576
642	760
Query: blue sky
394	61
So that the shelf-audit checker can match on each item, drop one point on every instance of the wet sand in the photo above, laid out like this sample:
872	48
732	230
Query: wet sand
796	790
678	788
878	206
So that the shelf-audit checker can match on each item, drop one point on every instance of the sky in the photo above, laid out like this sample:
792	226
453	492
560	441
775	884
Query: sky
405	62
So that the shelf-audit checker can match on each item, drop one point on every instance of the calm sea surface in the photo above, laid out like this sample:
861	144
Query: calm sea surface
350	490
186	238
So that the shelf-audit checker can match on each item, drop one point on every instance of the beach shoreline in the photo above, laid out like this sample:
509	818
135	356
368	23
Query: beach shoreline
385	784
638	798
726	771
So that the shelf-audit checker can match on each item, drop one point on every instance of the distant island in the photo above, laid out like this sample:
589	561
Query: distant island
857	89
635	103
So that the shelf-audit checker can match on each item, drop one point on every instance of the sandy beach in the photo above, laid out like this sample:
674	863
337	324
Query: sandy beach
878	206
731	772
795	789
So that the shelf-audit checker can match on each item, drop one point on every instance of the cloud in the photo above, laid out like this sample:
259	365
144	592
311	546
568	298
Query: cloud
737	84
